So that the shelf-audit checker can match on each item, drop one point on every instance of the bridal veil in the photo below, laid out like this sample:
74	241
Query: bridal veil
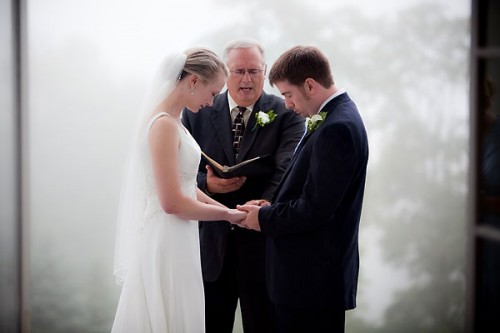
132	203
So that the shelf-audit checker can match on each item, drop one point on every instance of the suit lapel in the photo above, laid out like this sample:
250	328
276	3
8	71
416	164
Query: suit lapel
291	163
328	108
221	121
250	133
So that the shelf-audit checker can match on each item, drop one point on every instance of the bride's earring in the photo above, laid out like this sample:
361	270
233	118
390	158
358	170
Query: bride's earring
192	92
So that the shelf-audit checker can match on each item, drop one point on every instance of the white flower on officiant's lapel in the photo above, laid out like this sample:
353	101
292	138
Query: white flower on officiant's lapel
264	118
315	121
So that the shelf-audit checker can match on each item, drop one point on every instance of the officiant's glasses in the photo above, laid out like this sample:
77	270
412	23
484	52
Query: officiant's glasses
253	72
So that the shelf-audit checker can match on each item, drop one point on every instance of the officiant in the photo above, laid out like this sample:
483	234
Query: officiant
244	122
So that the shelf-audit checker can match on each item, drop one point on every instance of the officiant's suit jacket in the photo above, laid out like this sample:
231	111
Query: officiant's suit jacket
312	225
211	128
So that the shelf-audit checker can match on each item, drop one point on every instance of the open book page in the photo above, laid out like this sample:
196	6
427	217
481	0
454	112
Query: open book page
259	165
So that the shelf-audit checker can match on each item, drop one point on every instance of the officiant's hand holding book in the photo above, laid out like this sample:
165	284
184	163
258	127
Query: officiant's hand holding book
252	167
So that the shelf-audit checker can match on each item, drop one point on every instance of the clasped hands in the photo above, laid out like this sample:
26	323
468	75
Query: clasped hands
226	185
252	207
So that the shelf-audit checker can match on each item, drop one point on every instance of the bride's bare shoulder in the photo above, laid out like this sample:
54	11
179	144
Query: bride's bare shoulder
163	120
163	125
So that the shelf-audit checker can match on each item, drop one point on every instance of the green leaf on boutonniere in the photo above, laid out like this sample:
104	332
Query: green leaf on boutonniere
264	118
315	121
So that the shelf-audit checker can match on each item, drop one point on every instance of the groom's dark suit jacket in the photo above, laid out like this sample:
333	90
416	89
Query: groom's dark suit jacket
211	128
312	226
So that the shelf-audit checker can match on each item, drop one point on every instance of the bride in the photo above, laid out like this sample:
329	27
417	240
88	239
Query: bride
157	254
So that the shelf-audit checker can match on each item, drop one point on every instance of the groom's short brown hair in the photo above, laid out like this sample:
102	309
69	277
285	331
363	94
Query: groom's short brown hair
299	63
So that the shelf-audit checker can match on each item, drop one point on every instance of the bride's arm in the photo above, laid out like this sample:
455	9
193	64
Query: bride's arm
206	199
164	147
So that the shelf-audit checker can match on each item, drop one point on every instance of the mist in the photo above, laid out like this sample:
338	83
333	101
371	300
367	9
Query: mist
404	65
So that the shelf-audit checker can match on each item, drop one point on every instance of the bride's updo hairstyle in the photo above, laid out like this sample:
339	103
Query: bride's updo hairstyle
203	63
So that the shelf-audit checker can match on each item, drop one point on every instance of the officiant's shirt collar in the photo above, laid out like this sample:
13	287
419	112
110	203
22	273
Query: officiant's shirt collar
232	104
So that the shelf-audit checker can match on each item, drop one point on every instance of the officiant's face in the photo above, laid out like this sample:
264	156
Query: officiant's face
247	72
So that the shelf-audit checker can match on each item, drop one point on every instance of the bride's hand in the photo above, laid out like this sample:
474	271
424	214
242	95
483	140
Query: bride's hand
251	221
235	216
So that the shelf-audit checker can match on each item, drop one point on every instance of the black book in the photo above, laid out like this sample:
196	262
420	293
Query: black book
256	166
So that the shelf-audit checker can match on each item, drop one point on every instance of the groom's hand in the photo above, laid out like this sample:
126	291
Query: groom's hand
260	202
252	219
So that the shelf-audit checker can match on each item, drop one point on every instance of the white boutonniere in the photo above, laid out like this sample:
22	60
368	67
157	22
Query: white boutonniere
315	121
264	118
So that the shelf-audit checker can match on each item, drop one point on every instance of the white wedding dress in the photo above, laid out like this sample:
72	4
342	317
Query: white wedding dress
163	289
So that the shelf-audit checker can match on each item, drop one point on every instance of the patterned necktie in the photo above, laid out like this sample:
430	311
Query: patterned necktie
238	130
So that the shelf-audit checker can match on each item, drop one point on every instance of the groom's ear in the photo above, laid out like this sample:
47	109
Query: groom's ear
310	86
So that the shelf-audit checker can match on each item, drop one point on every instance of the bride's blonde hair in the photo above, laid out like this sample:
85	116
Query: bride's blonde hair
203	63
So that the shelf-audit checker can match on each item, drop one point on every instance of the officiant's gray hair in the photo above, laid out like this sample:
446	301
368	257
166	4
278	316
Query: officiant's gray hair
243	43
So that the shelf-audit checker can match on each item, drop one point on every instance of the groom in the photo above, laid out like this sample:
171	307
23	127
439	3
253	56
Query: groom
312	258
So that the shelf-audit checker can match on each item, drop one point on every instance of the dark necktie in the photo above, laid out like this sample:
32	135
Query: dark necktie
238	130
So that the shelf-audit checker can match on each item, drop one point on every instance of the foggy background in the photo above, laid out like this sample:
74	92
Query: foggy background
404	64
